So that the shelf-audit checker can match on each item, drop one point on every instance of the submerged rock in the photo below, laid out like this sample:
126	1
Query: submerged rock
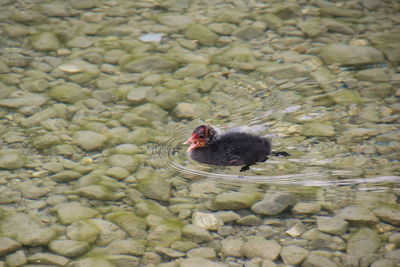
83	230
89	140
45	41
357	214
134	225
196	233
350	55
69	248
259	247
318	129
332	225
68	92
235	200
202	34
294	255
8	245
153	63
273	204
364	242
316	260
71	212
11	159
155	187
388	214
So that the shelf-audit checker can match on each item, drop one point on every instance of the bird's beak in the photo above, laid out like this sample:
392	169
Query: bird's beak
192	141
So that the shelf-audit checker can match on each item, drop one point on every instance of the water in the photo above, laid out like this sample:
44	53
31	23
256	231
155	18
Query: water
97	98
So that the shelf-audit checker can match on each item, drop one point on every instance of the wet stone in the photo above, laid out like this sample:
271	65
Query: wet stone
350	55
157	64
196	233
151	112
202	252
83	230
294	255
48	258
249	220
259	247
273	204
155	187
108	232
123	260
373	75
207	221
17	259
68	92
71	212
45	41
198	262
8	245
175	21
383	263
231	247
388	214
365	241
89	140
318	129
83	4
11	159
357	214
165	234
127	246
28	100
127	162
69	248
191	110
332	225
55	9
129	222
235	200
318	261
202	34
306	208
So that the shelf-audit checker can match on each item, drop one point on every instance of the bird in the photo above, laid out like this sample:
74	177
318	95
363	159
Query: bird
229	149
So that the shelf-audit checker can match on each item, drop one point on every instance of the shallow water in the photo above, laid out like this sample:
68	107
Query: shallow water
97	98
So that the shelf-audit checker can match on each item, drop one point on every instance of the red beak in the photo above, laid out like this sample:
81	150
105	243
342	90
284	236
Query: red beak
193	141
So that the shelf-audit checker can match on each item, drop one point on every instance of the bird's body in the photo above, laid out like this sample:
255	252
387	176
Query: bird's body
230	149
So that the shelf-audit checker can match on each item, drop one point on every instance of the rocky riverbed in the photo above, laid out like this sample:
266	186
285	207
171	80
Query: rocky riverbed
97	96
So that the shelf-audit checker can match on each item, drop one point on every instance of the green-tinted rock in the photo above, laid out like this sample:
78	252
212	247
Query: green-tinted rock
193	70
132	224
196	233
192	111
148	207
284	71
11	159
238	56
151	112
202	34
154	63
28	100
45	41
318	129
346	96
389	214
235	200
273	204
230	16
89	140
165	234
83	231
167	100
259	247
68	92
125	161
175	21
83	4
127	247
341	12
108	232
312	27
71	212
373	75
388	43
248	32
155	187
273	21
28	16
48	259
69	248
316	260
25	229
45	141
350	55
358	215
294	255
364	242
98	192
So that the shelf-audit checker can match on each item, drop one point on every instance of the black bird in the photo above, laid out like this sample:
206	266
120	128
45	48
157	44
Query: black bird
230	149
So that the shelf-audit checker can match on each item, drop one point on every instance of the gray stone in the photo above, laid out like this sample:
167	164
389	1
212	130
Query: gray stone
99	192
127	162
231	246
318	261
68	92
284	71
123	260
154	63
48	258
350	55
306	208
230	16
235	200
108	232
193	70
312	27
388	42
357	214
227	216
318	129
83	4
259	247
202	252
127	247
25	229
71	212
11	159
31	191
249	220
155	187
28	100
388	214
196	233
132	224
383	263
341	12
293	255
16	259
151	112
191	110
165	234
202	34
45	141
89	140
363	242
57	9
69	248
45	41
373	75
65	176
332	225
98	261
140	95
80	42
8	245
175	21
248	32
83	231
199	262
273	203
273	21
38	117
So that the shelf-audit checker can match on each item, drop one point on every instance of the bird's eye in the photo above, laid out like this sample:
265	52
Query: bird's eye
201	135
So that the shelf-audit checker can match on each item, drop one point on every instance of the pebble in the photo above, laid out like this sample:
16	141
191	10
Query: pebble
234	200
207	221
231	246
16	259
365	241
294	255
48	258
196	233
68	92
350	55
45	41
332	225
8	245
260	247
318	261
273	204
83	230
198	262
71	212
69	248
155	187
11	159
357	214
306	208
